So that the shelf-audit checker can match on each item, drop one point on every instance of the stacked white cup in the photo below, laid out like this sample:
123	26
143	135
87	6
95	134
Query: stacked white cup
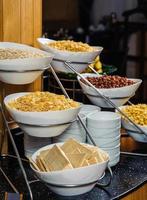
87	109
105	130
76	130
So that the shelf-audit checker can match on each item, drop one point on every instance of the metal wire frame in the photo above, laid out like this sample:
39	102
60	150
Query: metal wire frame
129	102
73	62
9	181
47	125
22	71
107	99
85	128
18	157
89	135
16	150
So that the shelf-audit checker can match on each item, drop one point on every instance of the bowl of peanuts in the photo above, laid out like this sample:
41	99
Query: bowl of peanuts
21	64
78	53
138	114
118	89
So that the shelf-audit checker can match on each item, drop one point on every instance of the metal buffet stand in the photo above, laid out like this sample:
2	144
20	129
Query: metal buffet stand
6	123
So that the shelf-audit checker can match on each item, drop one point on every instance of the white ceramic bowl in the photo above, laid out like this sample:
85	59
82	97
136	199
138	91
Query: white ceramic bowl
104	119
80	175
137	136
40	118
99	101
24	70
68	56
43	131
118	96
129	127
19	78
24	63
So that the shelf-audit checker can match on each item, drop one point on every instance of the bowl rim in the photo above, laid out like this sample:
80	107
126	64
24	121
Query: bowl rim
24	71
135	133
35	112
104	113
70	170
137	81
40	41
28	49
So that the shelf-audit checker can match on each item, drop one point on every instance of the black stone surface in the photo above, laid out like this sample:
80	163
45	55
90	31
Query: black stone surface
129	174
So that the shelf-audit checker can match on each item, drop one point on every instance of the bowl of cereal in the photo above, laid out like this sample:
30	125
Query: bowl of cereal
78	53
70	168
42	114
118	89
21	64
138	114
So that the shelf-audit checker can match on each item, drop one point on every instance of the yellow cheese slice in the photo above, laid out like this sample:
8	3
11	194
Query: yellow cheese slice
92	160
56	159
70	145
85	163
76	159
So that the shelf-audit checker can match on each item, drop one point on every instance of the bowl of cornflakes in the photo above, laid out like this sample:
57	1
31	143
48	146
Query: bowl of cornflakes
138	114
69	164
79	54
42	114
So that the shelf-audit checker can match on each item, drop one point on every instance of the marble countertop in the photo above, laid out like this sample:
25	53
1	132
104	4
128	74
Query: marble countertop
129	173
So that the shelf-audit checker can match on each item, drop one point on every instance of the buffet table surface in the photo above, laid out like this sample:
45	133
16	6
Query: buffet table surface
129	181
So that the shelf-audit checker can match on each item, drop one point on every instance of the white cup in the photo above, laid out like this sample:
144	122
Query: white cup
32	144
115	160
104	133
75	131
104	142
112	151
105	130
104	120
74	136
87	109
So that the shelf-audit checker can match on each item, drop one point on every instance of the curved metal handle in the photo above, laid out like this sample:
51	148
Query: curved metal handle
109	181
73	62
74	185
22	71
48	125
